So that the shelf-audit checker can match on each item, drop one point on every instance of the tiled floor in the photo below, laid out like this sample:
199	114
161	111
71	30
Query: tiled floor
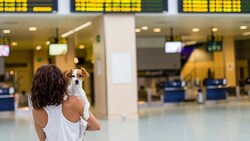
189	122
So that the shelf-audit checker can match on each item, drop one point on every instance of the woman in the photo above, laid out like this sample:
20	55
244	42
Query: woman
57	116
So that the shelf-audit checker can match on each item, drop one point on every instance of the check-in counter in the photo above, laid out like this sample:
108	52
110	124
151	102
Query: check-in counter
215	89
174	91
7	100
247	86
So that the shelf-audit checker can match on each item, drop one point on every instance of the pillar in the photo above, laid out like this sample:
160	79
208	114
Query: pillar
229	52
115	74
40	57
219	64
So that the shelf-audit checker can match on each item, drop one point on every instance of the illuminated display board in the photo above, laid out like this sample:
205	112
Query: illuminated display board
119	6
214	6
28	6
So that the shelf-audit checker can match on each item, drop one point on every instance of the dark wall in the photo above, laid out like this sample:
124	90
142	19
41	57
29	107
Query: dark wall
156	58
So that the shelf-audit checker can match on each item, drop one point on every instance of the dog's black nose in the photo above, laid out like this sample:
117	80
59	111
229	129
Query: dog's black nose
77	81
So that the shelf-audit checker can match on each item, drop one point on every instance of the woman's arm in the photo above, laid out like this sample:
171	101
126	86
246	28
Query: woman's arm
40	133
93	123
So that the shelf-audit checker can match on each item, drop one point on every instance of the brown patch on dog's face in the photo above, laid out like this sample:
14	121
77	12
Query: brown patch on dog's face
69	73
82	73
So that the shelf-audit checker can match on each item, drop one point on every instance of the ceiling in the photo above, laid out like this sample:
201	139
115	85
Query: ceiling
47	26
182	24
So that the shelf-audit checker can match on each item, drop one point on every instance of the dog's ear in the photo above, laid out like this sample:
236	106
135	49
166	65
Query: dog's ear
85	73
69	73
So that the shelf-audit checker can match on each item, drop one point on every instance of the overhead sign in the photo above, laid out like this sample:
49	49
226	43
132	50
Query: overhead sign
214	6
54	40
119	6
4	41
173	38
28	6
214	43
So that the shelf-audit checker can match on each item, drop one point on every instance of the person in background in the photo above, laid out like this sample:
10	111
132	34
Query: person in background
57	116
23	99
142	94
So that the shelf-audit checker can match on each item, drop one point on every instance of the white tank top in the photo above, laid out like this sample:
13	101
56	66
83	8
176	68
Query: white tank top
58	128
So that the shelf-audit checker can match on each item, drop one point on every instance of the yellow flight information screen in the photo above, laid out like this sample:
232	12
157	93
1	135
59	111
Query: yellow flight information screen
119	6
28	6
214	6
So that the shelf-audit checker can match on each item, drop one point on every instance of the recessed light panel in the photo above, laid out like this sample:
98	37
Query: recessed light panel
157	30
144	28
6	31
32	28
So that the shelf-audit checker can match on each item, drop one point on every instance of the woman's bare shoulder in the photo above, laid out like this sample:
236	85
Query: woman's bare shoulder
73	99
75	102
38	111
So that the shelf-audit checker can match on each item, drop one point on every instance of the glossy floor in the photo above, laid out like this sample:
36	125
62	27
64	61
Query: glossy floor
188	122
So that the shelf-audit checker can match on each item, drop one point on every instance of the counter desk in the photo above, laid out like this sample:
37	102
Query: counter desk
7	99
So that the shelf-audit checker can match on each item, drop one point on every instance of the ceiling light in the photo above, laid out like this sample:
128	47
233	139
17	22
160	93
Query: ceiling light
215	29
81	46
82	26
243	27
64	35
195	30
12	72
144	28
32	28
246	33
137	30
76	29
157	30
38	47
76	60
14	44
47	43
6	31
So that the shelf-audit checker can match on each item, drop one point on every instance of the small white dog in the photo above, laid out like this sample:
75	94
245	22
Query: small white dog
75	88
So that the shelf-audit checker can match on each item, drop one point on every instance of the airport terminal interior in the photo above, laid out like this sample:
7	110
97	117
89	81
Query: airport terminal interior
159	69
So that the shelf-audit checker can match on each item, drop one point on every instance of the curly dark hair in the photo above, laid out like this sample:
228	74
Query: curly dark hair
48	87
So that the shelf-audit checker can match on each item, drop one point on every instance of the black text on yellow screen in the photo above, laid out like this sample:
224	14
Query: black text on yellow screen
214	6
28	6
119	6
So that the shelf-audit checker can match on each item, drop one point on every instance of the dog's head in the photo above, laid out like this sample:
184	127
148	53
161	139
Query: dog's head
77	75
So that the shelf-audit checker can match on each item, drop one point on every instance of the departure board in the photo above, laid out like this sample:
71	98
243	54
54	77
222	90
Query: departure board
214	6
119	6
28	6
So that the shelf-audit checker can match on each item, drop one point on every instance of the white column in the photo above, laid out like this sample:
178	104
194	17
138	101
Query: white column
115	66
63	7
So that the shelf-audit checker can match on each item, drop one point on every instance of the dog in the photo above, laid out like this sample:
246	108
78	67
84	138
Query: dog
75	88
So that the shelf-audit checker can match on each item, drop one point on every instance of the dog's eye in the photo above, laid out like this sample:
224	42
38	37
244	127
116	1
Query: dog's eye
80	75
72	75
